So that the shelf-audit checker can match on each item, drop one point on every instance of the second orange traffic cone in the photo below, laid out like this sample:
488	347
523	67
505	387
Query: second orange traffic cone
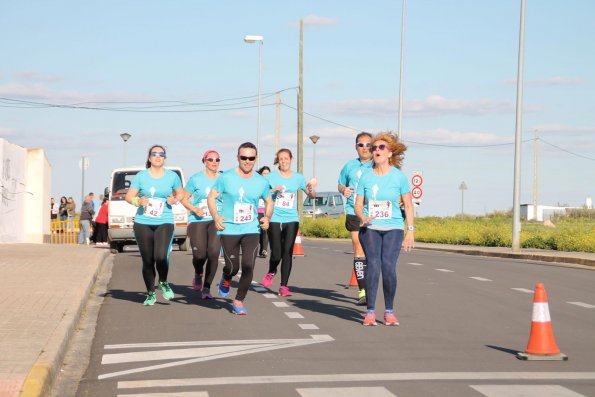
353	281
542	345
298	249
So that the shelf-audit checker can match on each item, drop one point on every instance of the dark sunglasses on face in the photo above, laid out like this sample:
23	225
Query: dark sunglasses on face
378	147
158	154
212	159
246	158
367	144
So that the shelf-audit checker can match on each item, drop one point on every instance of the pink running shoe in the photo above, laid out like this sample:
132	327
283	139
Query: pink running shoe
390	319
197	283
370	319
284	291
206	294
267	280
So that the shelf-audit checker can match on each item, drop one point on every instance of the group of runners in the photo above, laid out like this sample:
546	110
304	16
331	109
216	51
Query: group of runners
224	218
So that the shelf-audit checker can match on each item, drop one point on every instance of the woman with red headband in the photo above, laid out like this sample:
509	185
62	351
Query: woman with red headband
204	240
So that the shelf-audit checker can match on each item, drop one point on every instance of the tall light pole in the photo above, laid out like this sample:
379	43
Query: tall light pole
399	126
125	137
251	40
462	188
314	139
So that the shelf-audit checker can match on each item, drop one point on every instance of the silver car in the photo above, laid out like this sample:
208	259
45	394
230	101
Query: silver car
327	204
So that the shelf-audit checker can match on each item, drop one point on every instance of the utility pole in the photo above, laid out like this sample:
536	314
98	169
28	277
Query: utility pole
278	123
300	134
535	170
400	123
462	188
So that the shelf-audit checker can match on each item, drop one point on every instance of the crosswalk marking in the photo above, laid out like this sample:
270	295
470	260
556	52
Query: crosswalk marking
345	392
581	304
445	270
293	315
416	264
308	326
270	296
528	291
525	391
280	304
259	289
480	279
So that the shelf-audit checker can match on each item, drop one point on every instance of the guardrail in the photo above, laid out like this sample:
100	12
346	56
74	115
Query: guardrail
64	232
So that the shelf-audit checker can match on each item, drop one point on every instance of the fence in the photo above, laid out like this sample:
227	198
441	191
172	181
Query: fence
64	232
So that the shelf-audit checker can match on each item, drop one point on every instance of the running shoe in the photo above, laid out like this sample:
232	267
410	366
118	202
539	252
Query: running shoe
267	280
362	301
263	254
168	294
284	291
206	294
238	308
151	298
390	319
197	282
370	319
224	287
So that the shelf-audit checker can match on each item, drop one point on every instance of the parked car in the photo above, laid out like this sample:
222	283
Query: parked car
327	204
121	213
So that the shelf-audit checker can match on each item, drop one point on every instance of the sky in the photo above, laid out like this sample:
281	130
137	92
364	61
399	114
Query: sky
75	75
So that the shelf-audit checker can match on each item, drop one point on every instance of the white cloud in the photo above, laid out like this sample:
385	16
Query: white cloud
34	76
434	105
40	92
444	136
315	20
551	81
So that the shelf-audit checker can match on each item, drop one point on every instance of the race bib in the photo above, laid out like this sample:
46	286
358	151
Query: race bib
380	209
203	206
261	203
243	213
154	208
285	200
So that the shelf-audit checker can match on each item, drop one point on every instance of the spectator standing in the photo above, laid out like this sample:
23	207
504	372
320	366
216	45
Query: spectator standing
62	209
54	208
100	231
85	221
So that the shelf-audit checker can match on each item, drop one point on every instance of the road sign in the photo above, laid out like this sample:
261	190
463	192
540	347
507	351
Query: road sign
416	193
417	180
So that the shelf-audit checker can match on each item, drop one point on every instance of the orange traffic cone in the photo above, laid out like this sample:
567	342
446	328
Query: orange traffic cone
353	281
542	345
298	249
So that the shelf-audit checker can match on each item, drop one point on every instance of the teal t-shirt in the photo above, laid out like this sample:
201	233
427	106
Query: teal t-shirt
350	177
285	202
381	197
239	200
157	212
199	185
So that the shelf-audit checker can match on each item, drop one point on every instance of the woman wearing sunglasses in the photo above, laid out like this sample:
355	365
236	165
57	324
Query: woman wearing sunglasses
204	240
285	220
152	191
382	231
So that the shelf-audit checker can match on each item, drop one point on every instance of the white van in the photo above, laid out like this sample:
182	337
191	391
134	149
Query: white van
121	214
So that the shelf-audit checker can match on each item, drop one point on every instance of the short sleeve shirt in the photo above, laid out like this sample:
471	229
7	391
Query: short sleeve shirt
350	177
239	200
199	185
157	212
285	201
381	197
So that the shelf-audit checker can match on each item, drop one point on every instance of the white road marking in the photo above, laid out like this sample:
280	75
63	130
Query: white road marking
324	248
480	279
270	296
528	291
345	392
525	390
224	349
581	304
359	377
308	326
259	289
280	304
416	264
445	270
169	394
293	315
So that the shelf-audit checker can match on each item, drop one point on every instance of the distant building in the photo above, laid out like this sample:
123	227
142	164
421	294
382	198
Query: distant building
544	212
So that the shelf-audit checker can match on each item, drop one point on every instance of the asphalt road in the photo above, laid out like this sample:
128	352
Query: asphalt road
463	318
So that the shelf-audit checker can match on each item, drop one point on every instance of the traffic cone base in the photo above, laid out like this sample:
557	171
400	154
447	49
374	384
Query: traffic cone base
353	281
542	345
298	249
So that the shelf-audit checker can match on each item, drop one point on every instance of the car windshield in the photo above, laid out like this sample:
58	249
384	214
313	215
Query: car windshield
122	181
319	201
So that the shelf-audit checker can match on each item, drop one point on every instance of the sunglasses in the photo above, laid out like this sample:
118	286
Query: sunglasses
378	147
212	159
158	154
246	158
367	144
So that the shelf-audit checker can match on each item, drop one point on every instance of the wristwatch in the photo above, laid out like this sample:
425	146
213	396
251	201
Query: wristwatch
411	228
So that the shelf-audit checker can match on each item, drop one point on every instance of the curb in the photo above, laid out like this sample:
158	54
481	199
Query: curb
45	370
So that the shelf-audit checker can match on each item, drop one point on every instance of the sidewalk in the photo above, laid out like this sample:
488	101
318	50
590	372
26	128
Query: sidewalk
44	290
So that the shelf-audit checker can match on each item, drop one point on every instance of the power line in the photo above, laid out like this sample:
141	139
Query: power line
564	150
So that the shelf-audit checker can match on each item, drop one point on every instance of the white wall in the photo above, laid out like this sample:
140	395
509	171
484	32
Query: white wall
37	199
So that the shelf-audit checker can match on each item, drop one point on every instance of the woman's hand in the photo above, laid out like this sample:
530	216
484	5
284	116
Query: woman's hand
408	242
219	222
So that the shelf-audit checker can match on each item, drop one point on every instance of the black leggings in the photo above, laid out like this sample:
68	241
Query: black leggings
282	240
264	240
231	251
154	243
206	246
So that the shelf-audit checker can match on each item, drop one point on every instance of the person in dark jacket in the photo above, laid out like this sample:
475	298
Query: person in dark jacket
85	221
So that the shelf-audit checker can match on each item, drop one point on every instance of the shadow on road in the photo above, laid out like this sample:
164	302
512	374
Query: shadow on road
319	306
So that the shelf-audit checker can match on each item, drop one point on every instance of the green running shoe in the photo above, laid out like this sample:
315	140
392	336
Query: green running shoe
168	294
151	298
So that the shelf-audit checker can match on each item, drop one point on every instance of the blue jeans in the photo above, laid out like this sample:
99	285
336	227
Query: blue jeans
382	248
84	234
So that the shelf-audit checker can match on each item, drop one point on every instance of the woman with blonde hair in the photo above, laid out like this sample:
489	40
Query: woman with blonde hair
382	230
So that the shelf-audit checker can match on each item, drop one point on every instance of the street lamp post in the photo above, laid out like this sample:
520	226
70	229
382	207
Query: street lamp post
125	137
462	188
250	40
314	139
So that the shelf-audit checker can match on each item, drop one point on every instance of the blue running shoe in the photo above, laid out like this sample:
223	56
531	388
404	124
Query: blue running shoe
224	287
238	308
